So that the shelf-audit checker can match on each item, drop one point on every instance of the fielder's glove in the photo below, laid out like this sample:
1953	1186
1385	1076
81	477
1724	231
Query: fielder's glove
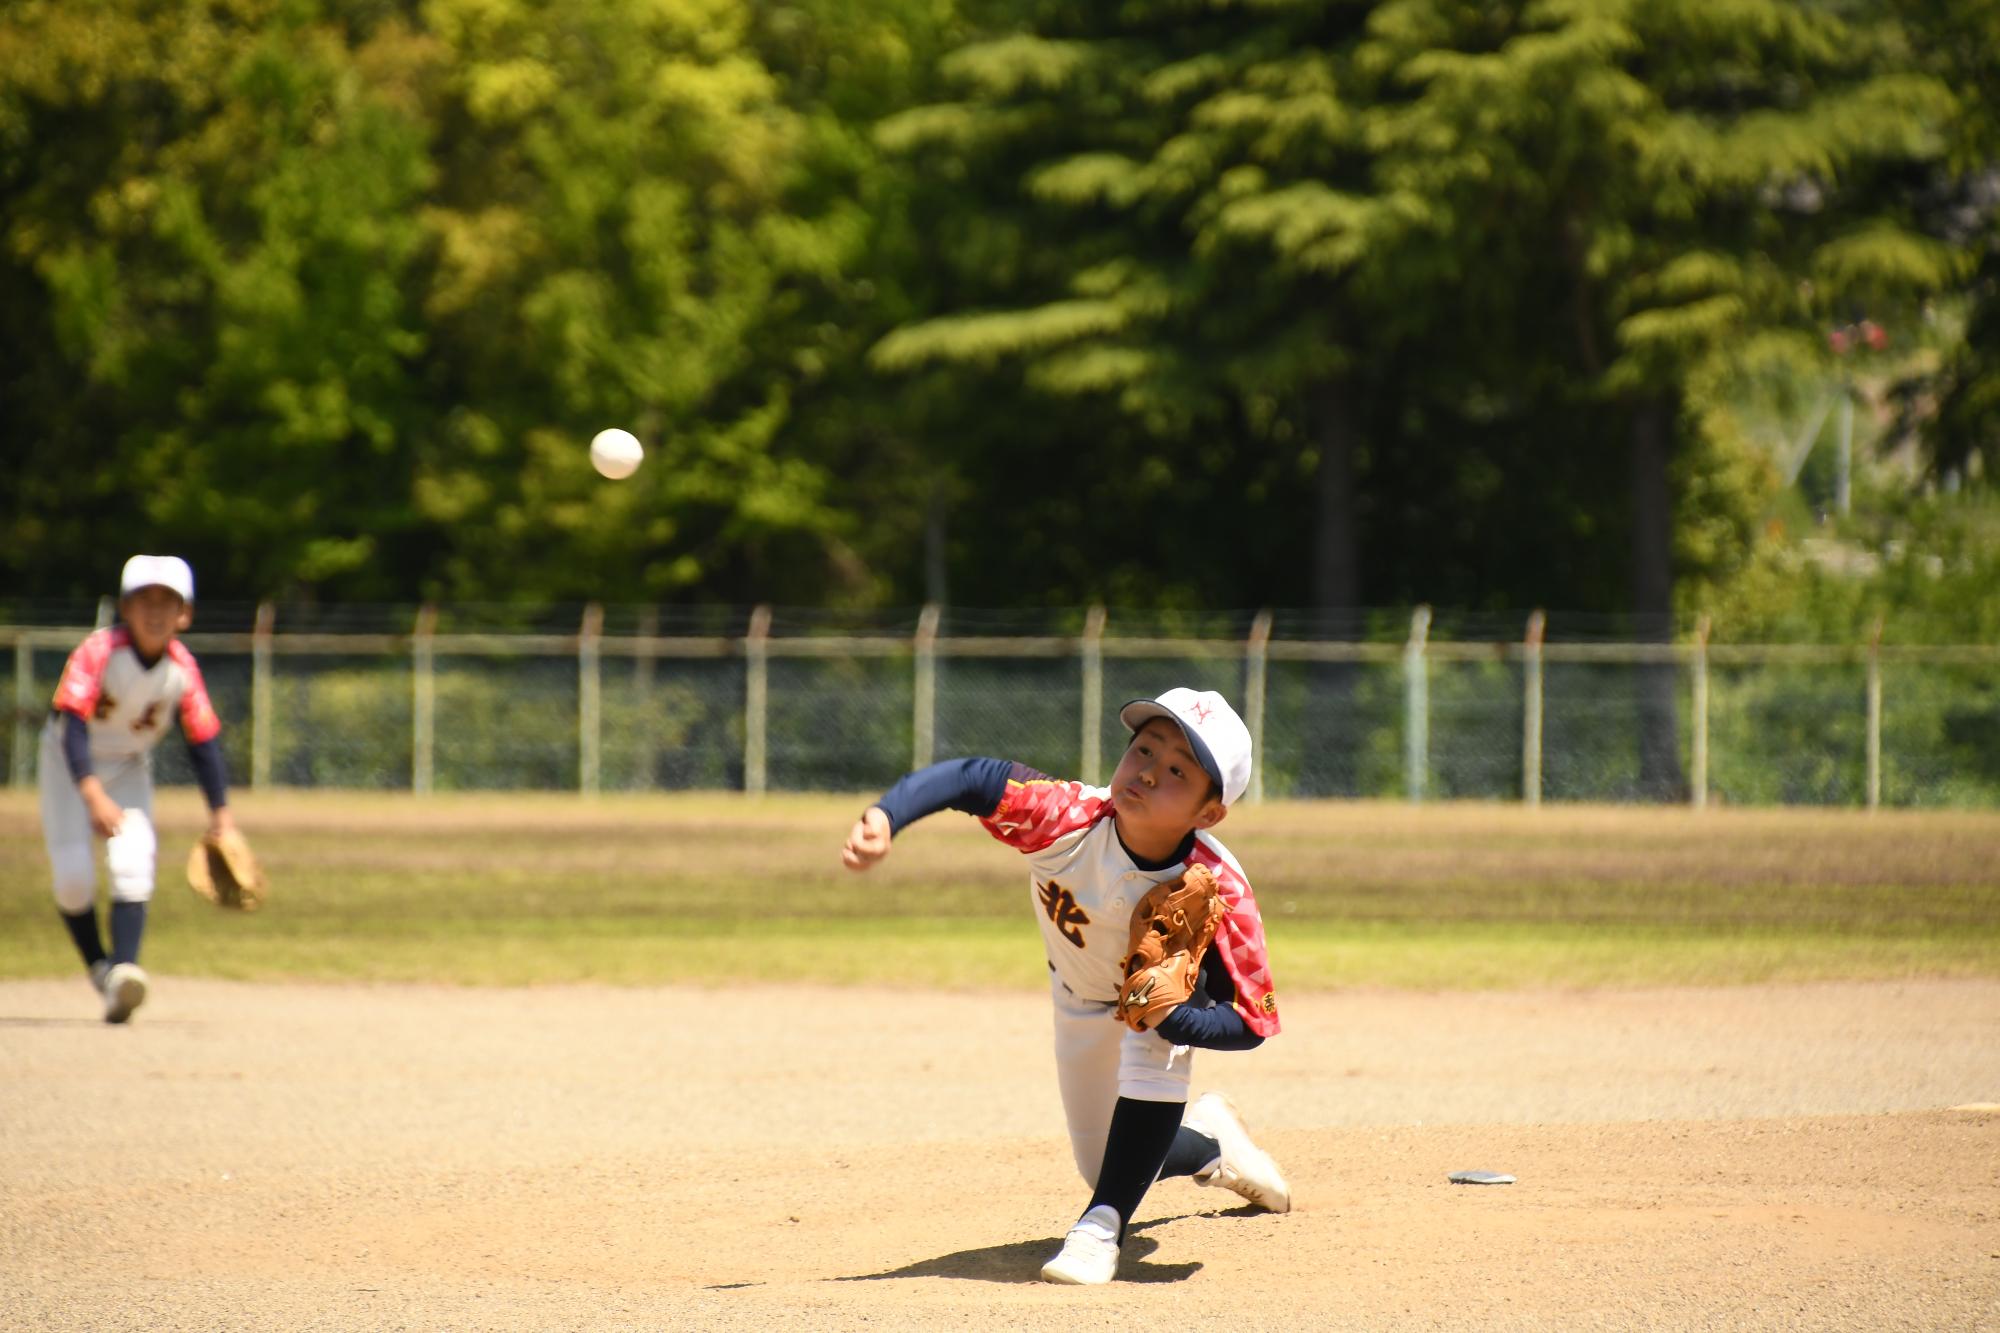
1171	929
224	871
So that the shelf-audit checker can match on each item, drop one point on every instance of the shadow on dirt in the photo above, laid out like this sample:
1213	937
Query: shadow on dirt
137	1024
1022	1261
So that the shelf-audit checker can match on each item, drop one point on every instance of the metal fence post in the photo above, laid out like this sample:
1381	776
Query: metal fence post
423	710
1875	716
24	709
1699	782
1531	710
1256	669
1417	704
262	712
645	738
756	685
589	698
1093	692
923	726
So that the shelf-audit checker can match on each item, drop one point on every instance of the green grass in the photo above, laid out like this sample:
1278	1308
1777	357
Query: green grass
719	890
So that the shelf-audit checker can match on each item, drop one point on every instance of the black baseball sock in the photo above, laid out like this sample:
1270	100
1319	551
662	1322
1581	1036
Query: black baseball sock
83	929
128	923
1141	1134
1192	1151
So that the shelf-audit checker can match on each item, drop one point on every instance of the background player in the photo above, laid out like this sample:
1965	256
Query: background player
1093	853
118	691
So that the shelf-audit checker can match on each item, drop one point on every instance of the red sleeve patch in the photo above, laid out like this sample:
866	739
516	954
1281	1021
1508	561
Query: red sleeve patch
83	675
1031	815
198	720
1240	941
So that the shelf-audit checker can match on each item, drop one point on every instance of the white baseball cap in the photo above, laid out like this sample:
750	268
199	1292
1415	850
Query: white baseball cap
166	571
1217	736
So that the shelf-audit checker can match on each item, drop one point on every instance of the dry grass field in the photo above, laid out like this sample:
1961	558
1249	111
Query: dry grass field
522	889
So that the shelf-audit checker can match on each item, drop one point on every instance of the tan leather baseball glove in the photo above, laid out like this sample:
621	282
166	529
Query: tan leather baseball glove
225	871
1171	929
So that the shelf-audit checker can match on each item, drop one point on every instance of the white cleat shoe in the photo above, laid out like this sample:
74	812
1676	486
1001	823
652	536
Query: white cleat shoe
1243	1166
1089	1256
98	971
124	991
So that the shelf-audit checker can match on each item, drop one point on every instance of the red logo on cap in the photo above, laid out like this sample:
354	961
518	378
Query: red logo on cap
1200	711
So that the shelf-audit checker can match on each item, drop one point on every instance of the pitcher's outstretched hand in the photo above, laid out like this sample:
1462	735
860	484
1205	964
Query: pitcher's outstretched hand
867	841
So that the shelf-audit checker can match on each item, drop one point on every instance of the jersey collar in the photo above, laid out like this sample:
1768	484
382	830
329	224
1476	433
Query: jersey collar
1179	854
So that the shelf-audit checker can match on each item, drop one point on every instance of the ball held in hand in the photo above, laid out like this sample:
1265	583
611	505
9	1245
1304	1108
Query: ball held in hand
616	453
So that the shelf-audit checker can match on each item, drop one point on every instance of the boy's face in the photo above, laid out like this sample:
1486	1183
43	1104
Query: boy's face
1160	789
154	615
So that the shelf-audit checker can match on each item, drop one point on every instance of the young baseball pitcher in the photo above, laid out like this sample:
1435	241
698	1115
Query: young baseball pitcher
1094	854
117	692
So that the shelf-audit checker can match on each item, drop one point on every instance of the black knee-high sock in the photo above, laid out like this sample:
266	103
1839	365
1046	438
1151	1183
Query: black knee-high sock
1141	1133
128	923
1192	1151
83	929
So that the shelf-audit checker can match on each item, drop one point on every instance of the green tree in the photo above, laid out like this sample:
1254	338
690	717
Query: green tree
1708	177
889	447
210	227
1955	41
330	295
1200	342
614	247
1532	228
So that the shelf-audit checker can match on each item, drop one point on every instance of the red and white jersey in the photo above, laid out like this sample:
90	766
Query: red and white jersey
1085	885
127	703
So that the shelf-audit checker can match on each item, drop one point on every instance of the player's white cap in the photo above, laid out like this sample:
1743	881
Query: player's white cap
1216	735
167	571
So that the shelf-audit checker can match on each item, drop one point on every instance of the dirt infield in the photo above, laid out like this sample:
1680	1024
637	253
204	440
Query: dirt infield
346	1157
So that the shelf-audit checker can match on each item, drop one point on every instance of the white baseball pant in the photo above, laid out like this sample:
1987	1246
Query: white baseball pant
1099	1060
67	833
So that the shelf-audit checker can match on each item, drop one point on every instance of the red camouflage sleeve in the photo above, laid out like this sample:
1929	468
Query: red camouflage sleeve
198	720
1240	941
82	680
1035	811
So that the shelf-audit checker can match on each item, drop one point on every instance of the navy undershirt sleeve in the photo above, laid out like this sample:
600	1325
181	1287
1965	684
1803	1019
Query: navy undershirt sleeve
210	771
1209	1019
76	746
1216	1027
972	785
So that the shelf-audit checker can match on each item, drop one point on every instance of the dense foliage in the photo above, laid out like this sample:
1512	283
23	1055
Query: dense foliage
1178	303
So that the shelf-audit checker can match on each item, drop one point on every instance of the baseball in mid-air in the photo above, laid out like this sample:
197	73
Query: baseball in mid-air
616	453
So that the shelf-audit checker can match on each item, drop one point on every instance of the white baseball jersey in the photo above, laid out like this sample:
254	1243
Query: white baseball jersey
1085	886
128	704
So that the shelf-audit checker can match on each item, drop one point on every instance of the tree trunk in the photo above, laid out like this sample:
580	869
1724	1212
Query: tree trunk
1336	586
1654	420
936	590
1330	728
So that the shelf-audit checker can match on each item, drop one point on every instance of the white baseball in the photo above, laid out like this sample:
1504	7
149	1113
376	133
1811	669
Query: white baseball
616	453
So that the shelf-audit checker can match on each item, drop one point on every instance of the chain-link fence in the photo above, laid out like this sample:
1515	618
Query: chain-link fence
636	699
